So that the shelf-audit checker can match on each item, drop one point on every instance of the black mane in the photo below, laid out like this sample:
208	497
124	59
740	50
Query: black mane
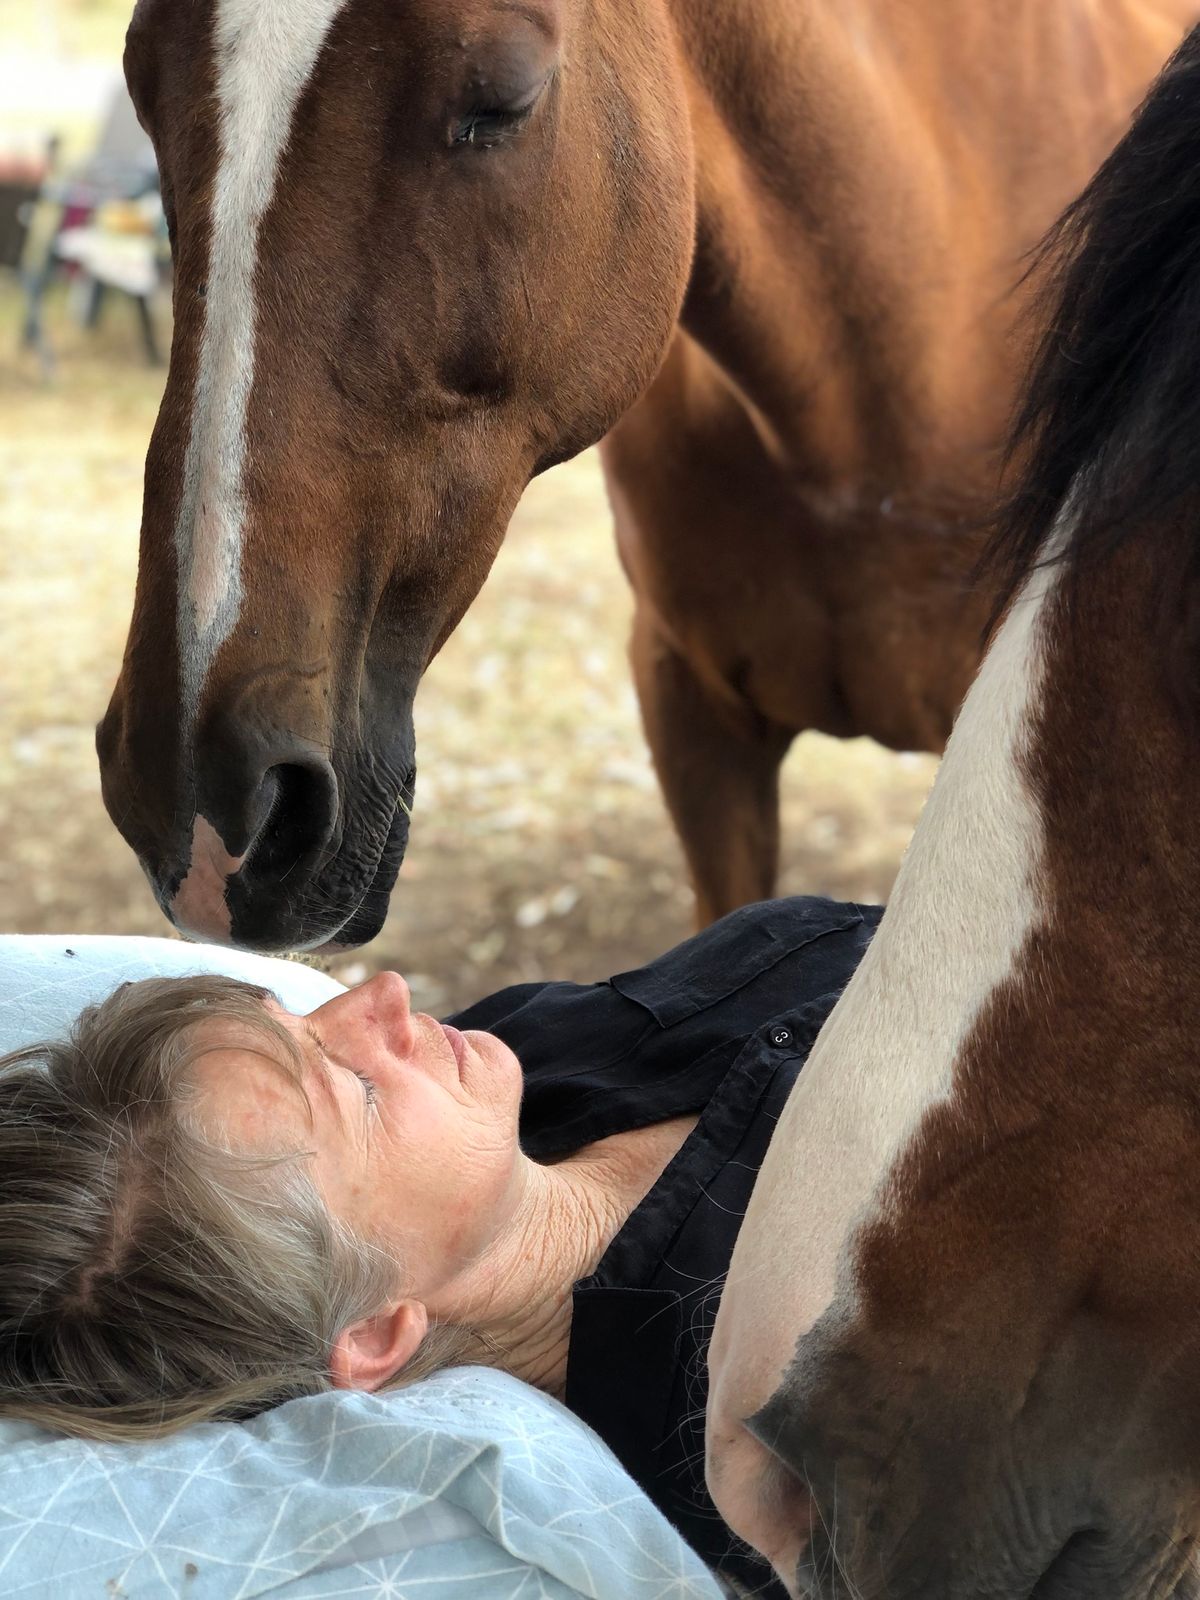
1111	414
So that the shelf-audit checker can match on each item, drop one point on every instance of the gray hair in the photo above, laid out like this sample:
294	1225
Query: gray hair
149	1277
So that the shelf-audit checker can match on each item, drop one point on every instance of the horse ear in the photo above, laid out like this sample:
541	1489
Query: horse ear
367	1353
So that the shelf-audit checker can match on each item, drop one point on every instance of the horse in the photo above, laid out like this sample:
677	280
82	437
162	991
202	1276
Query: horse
957	1353
423	252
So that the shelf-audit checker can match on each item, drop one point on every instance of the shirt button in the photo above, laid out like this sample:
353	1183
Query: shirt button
781	1036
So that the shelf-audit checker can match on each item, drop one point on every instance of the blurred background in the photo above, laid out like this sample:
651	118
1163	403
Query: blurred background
540	846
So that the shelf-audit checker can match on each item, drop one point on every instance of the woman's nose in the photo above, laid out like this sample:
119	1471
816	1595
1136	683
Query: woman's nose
389	994
380	1007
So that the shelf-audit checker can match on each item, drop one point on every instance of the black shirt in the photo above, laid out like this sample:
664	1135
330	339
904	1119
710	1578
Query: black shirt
719	1026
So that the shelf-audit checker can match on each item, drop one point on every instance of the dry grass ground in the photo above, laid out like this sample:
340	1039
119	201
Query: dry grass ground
540	845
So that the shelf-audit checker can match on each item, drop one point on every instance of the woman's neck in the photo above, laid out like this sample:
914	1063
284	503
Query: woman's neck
518	1297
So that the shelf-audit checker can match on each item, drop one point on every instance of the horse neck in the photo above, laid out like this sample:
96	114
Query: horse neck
963	905
866	188
1045	922
1113	762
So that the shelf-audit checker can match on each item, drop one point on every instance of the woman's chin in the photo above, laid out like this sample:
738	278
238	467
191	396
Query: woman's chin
490	1066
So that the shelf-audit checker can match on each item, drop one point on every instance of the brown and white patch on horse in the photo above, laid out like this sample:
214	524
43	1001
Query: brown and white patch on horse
966	903
264	53
383	218
1008	1375
199	905
999	1393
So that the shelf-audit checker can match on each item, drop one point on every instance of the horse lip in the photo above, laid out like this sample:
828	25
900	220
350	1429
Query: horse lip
164	882
330	942
392	849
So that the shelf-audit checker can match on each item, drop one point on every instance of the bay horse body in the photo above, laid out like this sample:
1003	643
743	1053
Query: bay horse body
425	250
957	1355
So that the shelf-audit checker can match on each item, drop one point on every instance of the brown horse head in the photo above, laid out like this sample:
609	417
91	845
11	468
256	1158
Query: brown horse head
422	252
958	1354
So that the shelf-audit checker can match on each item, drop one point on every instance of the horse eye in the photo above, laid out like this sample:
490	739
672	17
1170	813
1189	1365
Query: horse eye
489	126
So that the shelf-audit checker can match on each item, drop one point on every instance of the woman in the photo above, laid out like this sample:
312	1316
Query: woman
208	1205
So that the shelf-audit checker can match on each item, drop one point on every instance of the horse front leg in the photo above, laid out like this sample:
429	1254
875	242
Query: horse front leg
718	764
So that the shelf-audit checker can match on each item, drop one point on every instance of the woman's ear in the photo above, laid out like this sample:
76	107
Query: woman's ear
366	1354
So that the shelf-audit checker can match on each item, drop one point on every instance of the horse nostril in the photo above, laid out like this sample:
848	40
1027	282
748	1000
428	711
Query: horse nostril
297	805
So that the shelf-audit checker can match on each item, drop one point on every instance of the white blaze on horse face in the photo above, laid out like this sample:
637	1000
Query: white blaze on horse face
265	51
964	902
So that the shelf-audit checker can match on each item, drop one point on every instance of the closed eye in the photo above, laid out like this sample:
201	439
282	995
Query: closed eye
496	117
370	1090
489	126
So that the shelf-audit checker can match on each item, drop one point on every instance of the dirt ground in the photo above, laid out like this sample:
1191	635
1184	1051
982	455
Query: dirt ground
540	845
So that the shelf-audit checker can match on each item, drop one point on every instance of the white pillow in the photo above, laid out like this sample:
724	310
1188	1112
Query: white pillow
47	979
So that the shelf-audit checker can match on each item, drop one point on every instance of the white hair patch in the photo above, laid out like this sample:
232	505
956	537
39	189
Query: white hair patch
265	52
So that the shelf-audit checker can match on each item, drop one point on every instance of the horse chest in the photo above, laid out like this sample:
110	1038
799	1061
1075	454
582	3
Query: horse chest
847	613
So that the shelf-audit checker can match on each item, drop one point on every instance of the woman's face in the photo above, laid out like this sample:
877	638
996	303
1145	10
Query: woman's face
413	1127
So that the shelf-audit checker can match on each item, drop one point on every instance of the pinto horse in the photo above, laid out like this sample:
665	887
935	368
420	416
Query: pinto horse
958	1352
425	249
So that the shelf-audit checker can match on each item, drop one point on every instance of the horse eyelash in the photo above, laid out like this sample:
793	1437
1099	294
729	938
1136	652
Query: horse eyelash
499	122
